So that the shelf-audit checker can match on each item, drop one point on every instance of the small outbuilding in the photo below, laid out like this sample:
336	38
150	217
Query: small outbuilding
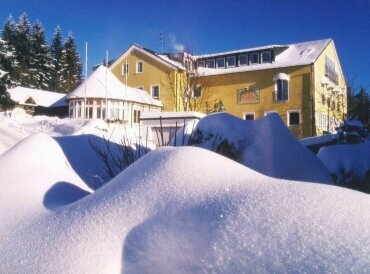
103	96
164	125
39	102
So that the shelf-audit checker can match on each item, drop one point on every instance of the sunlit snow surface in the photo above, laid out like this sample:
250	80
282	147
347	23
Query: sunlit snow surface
180	210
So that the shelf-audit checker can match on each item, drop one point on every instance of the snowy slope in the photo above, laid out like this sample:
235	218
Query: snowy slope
265	145
28	172
180	210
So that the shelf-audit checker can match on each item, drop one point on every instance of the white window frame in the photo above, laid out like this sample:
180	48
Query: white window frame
247	61
136	121
249	113
276	90
294	111
211	60
227	61
123	69
159	91
250	58
263	52
220	59
137	67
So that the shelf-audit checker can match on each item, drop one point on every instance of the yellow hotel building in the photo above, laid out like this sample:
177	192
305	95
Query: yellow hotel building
302	82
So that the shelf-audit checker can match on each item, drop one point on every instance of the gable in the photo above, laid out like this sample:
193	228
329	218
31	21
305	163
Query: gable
30	101
136	50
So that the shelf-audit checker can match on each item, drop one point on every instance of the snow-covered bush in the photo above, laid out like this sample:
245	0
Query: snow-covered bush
351	131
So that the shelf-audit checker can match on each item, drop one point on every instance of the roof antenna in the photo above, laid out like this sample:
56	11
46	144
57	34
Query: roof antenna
162	38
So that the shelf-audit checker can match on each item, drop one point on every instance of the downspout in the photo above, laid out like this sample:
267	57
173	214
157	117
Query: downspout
176	92
313	119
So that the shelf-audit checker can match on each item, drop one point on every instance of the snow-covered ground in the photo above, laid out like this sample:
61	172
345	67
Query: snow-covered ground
177	209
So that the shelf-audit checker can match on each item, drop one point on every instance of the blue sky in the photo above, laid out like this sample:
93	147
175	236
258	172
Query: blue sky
206	26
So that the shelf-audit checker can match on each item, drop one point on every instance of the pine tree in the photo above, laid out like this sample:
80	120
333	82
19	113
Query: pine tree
9	61
56	49
40	61
71	65
362	106
5	101
23	50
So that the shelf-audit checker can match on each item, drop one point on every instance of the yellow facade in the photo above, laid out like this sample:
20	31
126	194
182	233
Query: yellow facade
226	87
307	86
328	116
153	73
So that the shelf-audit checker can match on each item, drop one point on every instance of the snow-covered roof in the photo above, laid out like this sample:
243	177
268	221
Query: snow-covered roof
102	83
237	51
292	55
172	62
39	97
159	57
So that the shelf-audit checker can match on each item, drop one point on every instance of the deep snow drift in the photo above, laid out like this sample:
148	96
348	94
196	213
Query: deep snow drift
175	210
265	145
348	163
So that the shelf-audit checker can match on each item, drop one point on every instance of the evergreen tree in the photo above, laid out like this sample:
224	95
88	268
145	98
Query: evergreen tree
22	47
71	65
9	61
56	49
5	101
362	106
40	61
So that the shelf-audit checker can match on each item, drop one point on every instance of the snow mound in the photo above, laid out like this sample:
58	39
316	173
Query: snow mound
28	171
348	163
265	145
190	210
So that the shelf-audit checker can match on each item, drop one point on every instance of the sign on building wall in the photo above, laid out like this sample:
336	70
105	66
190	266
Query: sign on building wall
248	96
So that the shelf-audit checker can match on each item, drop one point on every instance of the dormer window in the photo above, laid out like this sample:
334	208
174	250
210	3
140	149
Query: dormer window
243	59
220	62
281	86
253	58
266	57
230	61
211	63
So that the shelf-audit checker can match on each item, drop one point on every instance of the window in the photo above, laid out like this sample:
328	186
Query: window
79	109
243	60
124	69
282	89
253	58
266	57
211	63
71	109
220	62
230	61
330	70
201	63
197	91
89	109
139	67
114	110
155	91
294	118
323	99
249	116
136	116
